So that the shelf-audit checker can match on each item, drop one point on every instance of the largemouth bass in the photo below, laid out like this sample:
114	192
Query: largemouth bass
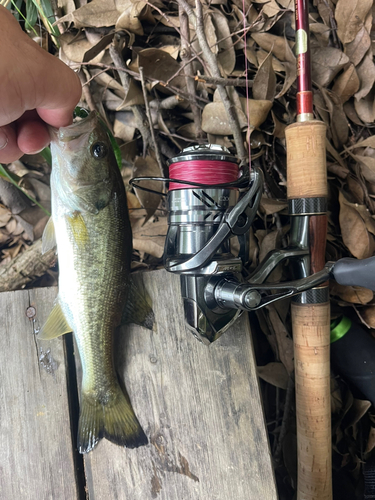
90	226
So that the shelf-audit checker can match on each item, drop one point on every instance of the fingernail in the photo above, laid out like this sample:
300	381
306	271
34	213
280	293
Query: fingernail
35	152
3	139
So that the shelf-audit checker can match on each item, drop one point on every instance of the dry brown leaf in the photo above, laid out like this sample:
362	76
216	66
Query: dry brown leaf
321	33
108	81
332	151
367	217
129	18
215	120
150	237
5	216
351	113
269	242
189	131
325	11
148	167
132	201
350	16
160	66
95	53
354	231
134	96
352	294
368	315
279	130
226	55
365	107
339	127
356	412
369	142
347	84
284	342
258	110
276	64
366	75
170	21
370	440
251	55
356	49
278	45
270	7
274	373
123	131
74	48
67	6
367	167
97	13
209	31
264	85
271	206
326	63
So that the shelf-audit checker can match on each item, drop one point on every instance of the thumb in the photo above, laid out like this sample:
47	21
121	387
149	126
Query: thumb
61	92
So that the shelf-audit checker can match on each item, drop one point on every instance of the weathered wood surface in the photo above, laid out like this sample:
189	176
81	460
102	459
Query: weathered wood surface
199	405
36	453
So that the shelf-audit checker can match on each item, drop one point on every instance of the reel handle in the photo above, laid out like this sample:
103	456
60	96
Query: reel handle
355	272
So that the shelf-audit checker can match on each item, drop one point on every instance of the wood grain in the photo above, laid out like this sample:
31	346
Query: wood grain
318	240
200	407
36	454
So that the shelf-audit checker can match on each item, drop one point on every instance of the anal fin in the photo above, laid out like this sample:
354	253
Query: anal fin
55	325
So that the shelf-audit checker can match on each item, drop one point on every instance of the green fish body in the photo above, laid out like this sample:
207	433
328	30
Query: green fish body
90	226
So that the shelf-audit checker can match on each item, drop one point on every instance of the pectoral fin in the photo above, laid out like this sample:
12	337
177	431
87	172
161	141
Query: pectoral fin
48	238
138	307
55	325
78	228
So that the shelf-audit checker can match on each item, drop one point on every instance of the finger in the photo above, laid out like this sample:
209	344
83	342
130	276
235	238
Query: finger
10	150
62	92
38	80
32	135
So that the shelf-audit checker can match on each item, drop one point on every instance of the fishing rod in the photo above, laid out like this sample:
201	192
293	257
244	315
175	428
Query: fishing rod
307	199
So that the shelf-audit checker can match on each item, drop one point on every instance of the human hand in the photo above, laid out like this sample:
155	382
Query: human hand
37	89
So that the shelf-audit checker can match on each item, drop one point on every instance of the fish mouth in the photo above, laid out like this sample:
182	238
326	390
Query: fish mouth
74	131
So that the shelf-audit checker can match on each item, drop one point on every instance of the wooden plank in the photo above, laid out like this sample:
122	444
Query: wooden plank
200	407
36	454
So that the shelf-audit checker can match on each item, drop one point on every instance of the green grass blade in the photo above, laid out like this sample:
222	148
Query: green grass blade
28	24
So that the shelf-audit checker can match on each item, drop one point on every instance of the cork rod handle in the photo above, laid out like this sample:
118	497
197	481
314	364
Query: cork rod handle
307	179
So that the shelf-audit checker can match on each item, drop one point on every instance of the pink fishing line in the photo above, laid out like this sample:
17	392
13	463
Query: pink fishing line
202	171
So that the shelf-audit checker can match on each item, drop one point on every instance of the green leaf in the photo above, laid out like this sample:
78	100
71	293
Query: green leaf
31	13
115	146
46	153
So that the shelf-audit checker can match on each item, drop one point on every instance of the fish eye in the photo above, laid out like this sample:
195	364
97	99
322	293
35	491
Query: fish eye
99	150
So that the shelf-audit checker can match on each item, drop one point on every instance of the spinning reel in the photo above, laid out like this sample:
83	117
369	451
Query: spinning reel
210	201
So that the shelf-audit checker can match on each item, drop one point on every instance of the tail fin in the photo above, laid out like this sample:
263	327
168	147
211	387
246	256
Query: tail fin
114	420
